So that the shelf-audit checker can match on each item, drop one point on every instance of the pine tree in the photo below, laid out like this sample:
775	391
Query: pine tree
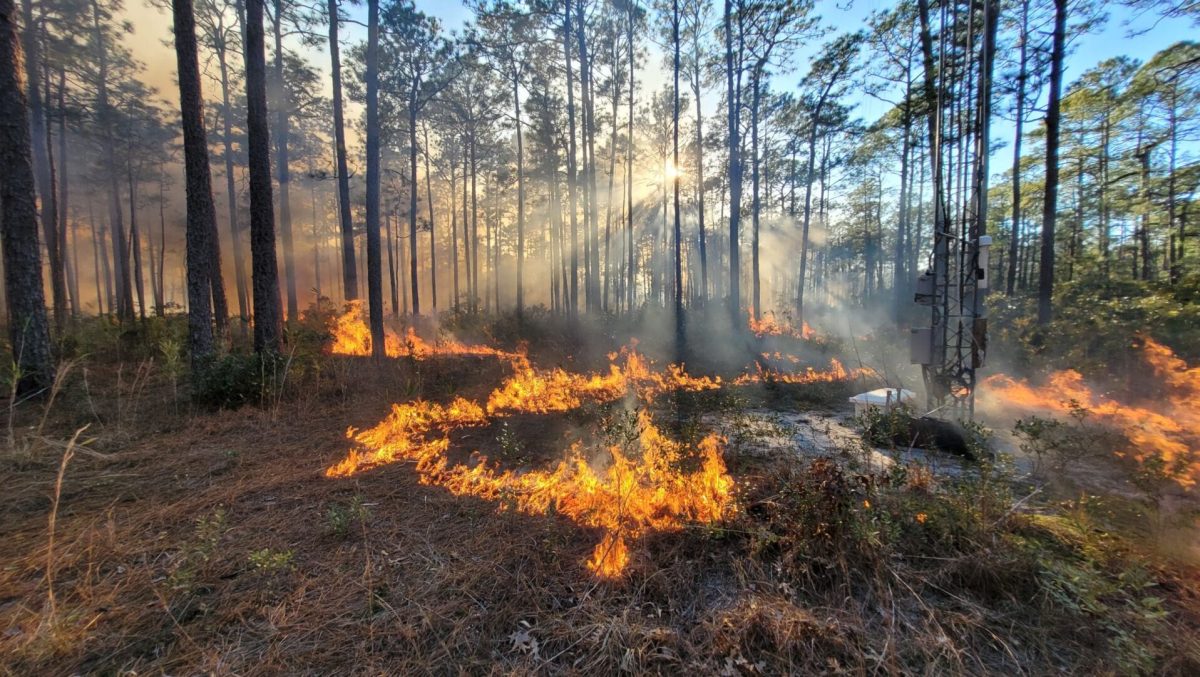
27	325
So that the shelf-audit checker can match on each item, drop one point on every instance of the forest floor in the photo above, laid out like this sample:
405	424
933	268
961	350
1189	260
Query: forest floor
185	541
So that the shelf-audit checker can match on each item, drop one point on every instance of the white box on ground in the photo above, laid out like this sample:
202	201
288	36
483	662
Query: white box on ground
882	398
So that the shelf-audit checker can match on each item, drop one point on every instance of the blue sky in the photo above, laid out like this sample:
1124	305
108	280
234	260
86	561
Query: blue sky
1112	39
1137	34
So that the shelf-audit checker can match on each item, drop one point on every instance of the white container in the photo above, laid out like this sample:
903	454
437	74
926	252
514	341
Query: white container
882	398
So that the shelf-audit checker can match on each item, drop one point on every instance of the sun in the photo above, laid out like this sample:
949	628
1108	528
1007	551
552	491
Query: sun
670	170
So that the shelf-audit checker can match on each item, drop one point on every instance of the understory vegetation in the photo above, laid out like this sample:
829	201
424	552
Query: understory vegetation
187	530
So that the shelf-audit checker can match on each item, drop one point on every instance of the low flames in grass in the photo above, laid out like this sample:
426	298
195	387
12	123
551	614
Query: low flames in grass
769	325
1165	434
836	373
352	336
639	490
635	494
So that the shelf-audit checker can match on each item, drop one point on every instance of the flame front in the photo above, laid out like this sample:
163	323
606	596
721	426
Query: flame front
769	326
1169	433
352	336
635	494
638	490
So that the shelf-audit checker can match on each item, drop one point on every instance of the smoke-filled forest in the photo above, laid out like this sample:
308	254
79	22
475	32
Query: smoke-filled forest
735	337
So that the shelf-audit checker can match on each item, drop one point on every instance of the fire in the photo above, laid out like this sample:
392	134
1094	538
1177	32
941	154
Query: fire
634	495
635	492
768	325
1169	432
534	391
834	374
352	336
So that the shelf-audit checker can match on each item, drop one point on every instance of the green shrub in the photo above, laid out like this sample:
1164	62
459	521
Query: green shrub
341	517
270	561
236	379
1057	445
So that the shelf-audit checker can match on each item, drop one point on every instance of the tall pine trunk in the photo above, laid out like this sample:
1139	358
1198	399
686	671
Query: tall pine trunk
520	200
135	245
201	216
391	256
42	163
631	267
699	170
29	331
755	202
414	281
589	152
283	170
239	262
374	260
680	345
72	266
733	103
124	295
349	267
474	263
1050	205
432	226
572	174
454	230
1010	278
268	320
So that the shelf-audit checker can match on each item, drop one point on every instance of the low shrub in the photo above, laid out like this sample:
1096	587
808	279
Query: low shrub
236	379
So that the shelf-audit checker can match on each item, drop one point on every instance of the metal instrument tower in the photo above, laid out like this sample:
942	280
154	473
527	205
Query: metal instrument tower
952	346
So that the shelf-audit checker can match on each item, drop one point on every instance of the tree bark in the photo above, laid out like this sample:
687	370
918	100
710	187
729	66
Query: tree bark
374	259
572	174
135	244
201	215
412	199
391	257
239	262
589	151
1050	205
282	168
72	267
454	228
696	82
432	225
349	267
268	321
898	260
680	336
631	251
28	328
812	158
1022	75
42	162
733	103
474	263
124	295
755	203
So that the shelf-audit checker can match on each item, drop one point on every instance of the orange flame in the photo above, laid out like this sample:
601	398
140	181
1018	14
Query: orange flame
352	336
1170	432
834	374
768	325
633	495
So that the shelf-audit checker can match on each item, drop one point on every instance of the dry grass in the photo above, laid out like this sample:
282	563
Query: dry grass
207	542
